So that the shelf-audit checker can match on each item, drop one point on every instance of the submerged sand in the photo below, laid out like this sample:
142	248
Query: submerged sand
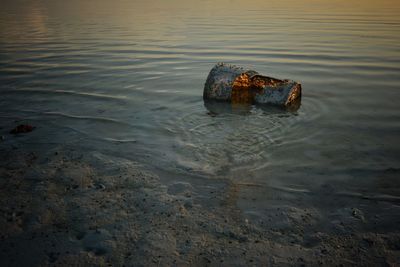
61	206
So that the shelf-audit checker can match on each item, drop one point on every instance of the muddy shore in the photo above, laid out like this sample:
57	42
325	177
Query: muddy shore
61	206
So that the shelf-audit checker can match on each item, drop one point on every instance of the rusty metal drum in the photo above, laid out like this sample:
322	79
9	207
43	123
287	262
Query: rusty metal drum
237	85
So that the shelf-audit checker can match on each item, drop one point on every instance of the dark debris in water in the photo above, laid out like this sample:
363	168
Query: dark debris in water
22	128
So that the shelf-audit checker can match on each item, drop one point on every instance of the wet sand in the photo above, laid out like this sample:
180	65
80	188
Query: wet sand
62	206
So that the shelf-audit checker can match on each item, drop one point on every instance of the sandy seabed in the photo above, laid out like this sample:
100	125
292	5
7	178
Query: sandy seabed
61	206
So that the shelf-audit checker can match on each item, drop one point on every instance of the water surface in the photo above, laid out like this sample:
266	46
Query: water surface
126	78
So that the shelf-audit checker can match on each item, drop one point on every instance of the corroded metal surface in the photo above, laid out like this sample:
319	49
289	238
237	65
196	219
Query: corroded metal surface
237	85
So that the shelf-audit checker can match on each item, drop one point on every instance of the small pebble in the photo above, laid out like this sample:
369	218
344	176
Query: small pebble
101	186
22	128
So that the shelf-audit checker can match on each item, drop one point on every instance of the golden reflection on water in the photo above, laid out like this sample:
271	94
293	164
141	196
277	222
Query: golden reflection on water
144	14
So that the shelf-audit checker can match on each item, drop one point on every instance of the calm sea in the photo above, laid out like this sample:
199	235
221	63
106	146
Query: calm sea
126	78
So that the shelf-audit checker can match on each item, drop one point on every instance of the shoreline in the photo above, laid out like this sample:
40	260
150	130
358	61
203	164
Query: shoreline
64	207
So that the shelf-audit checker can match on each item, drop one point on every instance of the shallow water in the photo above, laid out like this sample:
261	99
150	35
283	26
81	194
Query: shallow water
126	78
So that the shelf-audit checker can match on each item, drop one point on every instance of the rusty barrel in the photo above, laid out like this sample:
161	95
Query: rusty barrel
237	85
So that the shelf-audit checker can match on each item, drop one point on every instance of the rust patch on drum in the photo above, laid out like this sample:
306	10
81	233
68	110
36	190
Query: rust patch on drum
245	87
